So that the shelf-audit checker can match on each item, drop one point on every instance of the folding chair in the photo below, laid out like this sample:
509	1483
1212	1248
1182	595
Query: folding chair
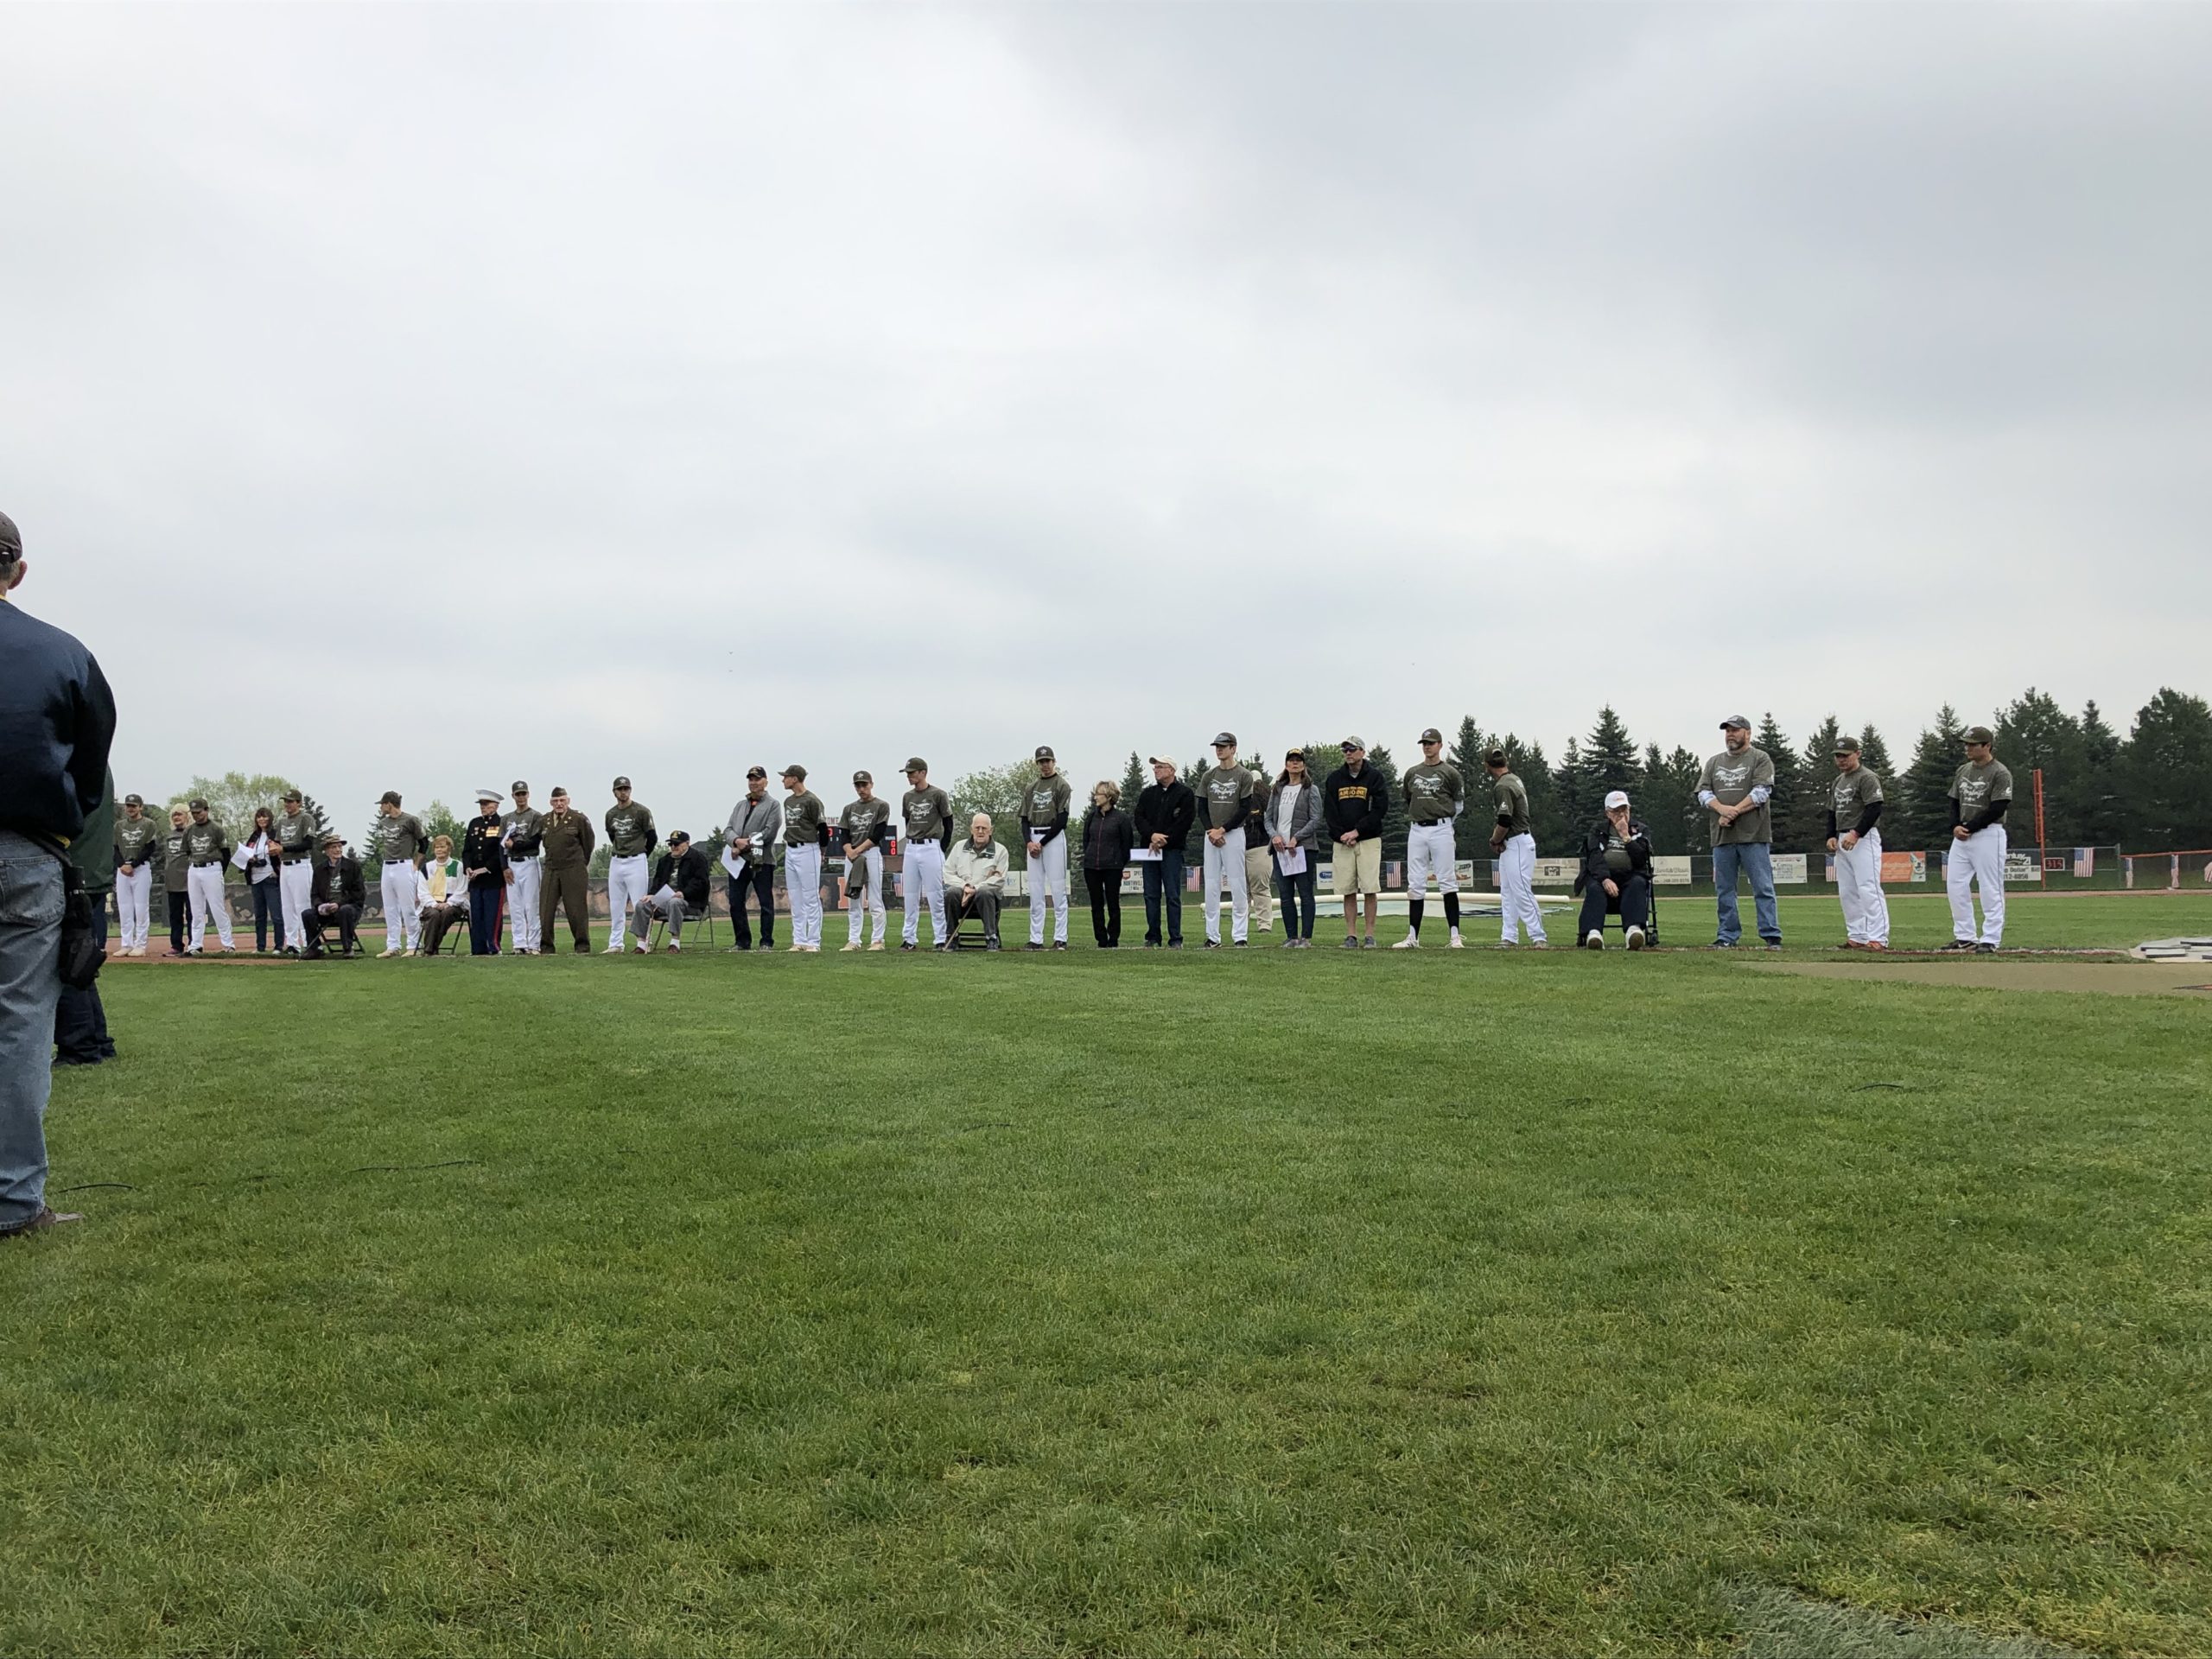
692	919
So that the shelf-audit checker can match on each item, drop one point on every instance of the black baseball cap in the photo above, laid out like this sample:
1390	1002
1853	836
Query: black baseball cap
1846	745
390	798
1980	734
1742	723
1496	758
519	787
756	772
11	540
1229	738
795	770
289	795
915	763
199	806
1045	752
863	777
1432	735
622	783
676	836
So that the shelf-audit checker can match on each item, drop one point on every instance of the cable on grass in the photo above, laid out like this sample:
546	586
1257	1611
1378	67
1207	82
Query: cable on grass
391	1169
1861	1088
94	1186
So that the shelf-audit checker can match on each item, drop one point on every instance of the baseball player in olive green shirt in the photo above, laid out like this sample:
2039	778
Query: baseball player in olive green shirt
1224	795
861	828
1514	847
206	853
1980	792
294	831
1434	794
926	812
137	843
806	831
1855	838
405	843
1045	837
630	838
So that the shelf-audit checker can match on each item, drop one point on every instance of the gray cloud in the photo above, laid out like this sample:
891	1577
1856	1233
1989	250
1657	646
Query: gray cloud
658	390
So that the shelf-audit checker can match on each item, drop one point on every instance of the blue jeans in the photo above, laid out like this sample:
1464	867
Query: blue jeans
1755	860
268	913
30	986
1163	878
1297	892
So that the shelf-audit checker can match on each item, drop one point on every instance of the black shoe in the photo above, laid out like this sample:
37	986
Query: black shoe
990	944
1059	944
77	1060
1984	949
1960	945
1213	944
310	956
903	946
1033	947
1175	944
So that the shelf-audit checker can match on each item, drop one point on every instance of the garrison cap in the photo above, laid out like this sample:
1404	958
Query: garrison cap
915	763
1432	735
1980	734
1045	752
1847	744
11	540
622	783
795	770
1741	721
1220	738
140	800
557	790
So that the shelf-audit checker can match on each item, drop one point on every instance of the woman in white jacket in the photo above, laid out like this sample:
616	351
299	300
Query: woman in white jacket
258	857
1294	836
441	893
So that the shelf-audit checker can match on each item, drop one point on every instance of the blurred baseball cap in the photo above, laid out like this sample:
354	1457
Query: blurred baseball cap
756	772
1353	743
1496	758
198	806
622	783
863	777
915	763
518	787
1740	722
1168	760
140	800
1045	752
332	838
289	795
795	770
1846	745
1220	738
390	798
676	835
1616	798
1980	734
11	540
1432	735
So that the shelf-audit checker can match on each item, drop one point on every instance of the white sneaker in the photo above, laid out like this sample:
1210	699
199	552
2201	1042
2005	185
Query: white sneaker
1593	940
411	952
612	950
1636	939
854	944
1455	943
1411	942
392	952
642	948
878	945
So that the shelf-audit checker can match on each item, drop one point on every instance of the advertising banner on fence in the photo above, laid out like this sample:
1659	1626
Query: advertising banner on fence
1670	869
1790	869
1556	872
1904	866
2022	867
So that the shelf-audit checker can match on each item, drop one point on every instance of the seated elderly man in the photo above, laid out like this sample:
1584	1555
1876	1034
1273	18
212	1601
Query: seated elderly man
974	879
678	890
336	893
1616	875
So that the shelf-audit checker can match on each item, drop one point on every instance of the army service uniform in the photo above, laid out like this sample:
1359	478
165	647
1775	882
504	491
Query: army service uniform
568	841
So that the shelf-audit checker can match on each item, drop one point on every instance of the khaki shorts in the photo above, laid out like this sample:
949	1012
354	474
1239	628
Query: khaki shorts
1357	868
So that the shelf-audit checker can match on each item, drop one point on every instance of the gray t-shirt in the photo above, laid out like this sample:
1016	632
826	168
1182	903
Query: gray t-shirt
1730	778
1433	789
864	821
522	829
135	838
404	835
630	829
1048	798
927	812
1225	792
803	818
1513	804
1851	794
1974	787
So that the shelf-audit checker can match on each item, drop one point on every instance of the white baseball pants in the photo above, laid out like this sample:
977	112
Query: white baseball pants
864	895
203	886
803	890
1048	878
523	899
626	879
1516	891
1226	863
1858	884
133	893
403	914
1978	859
294	892
924	877
1430	851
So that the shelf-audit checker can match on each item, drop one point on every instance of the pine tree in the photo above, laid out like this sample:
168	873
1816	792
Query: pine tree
2035	734
2168	770
1547	818
1920	809
1875	754
2102	786
1469	752
1609	760
1783	804
1567	790
1135	777
1394	818
1807	831
1666	799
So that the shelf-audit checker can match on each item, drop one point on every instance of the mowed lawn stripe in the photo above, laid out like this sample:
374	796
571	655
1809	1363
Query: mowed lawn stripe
1202	1304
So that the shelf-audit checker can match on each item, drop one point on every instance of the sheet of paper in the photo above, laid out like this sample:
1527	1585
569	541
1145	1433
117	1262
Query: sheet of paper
1292	862
1143	855
732	863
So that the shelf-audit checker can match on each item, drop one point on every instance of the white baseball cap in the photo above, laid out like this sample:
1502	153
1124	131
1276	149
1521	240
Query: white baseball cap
1619	797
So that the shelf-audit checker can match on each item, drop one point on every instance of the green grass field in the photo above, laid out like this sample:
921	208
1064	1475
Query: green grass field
1481	1304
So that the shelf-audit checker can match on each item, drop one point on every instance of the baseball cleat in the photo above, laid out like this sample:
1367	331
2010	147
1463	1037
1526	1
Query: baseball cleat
1411	942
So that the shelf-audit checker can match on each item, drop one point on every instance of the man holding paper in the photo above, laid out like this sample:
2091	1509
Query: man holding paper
756	824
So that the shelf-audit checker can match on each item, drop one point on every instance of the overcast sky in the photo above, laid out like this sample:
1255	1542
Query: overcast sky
429	396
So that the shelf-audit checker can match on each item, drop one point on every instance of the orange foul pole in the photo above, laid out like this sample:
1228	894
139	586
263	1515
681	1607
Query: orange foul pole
2043	860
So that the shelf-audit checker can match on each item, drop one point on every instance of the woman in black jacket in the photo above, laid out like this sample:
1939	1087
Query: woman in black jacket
1108	835
1616	874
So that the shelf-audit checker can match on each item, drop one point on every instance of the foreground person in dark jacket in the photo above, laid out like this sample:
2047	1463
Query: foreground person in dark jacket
335	893
1108	837
679	890
1616	875
1166	808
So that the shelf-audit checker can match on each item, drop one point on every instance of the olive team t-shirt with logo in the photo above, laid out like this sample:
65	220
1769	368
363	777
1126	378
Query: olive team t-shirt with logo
1731	778
1513	804
1975	787
1851	794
